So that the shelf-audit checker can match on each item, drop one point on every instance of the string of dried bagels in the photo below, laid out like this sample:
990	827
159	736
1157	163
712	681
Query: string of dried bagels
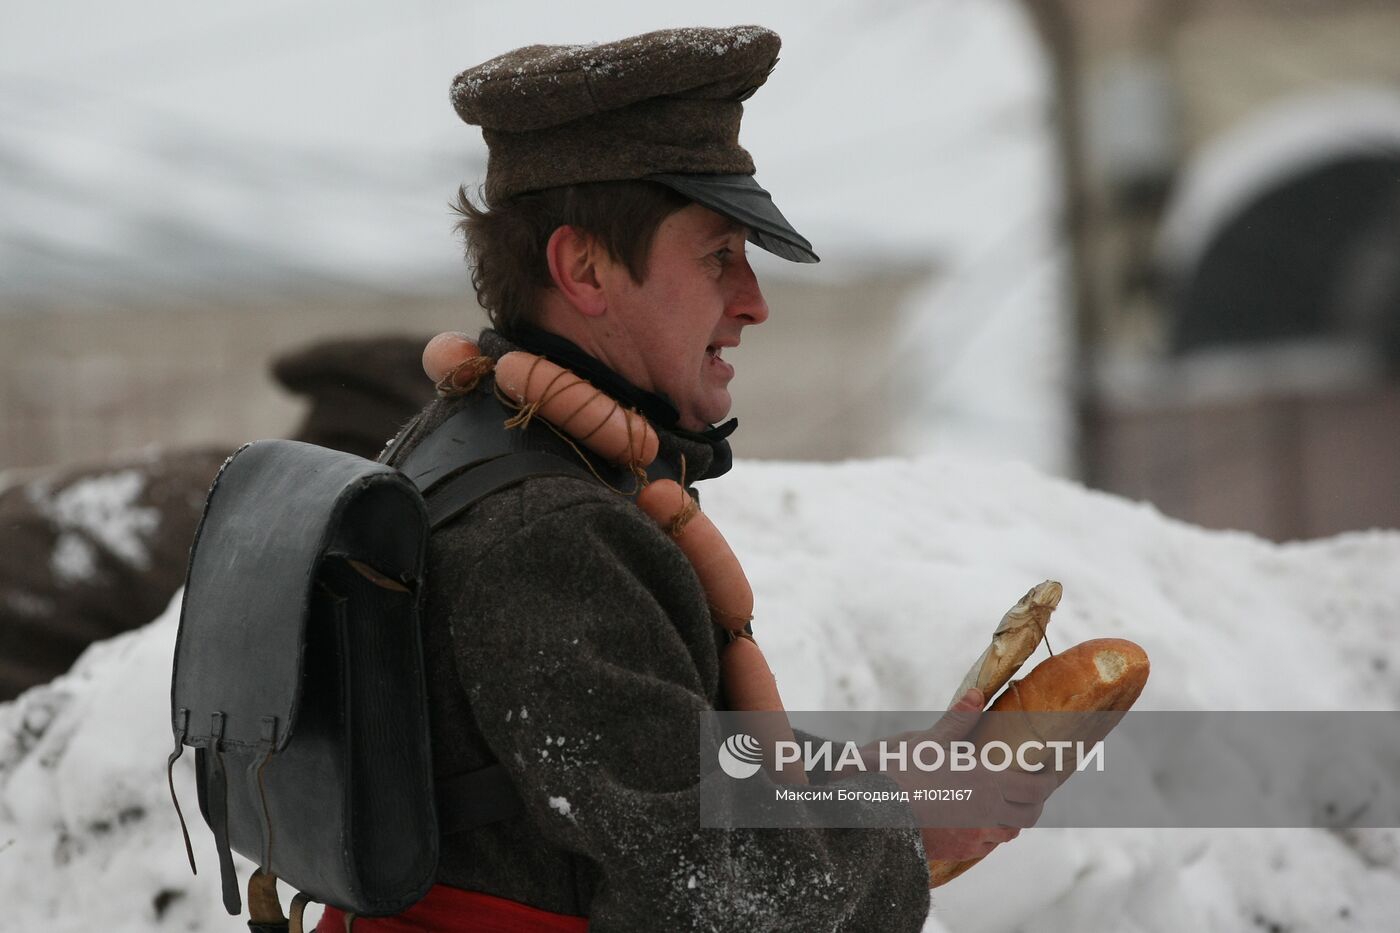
538	388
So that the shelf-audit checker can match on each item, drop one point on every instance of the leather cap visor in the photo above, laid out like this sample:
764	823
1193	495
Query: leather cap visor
743	199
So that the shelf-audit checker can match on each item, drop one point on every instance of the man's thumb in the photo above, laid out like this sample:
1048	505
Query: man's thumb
960	718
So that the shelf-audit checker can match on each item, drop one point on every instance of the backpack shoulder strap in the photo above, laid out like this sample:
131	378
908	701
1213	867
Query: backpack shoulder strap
476	798
494	460
476	433
453	496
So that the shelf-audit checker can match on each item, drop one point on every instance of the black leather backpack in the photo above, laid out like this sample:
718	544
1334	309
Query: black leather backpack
298	675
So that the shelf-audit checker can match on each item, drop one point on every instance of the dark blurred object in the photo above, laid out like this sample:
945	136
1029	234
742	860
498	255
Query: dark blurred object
1368	293
1310	257
361	390
92	552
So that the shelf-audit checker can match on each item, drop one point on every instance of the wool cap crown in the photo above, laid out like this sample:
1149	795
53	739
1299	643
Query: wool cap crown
664	102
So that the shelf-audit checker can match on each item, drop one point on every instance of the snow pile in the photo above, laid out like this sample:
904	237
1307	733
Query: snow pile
101	509
877	582
87	833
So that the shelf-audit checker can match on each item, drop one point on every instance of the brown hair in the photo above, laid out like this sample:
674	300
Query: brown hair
505	242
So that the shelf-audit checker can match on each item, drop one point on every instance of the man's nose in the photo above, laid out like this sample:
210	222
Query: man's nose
746	300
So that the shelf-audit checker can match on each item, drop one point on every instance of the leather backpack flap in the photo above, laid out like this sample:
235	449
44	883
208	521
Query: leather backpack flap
275	510
298	675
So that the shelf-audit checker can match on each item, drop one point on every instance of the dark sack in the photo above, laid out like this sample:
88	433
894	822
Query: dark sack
299	676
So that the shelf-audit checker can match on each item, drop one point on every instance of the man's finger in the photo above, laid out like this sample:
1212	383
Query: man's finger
960	718
1026	787
1003	812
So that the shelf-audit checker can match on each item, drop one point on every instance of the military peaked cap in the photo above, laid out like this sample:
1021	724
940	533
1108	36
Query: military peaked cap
664	106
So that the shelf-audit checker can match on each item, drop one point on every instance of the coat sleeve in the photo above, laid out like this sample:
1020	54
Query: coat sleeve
584	646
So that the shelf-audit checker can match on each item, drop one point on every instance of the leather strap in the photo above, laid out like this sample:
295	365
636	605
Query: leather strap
218	817
476	798
487	795
182	727
477	433
469	456
454	496
264	908
296	915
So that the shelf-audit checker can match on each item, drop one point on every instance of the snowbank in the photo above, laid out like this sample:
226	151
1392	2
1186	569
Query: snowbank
877	582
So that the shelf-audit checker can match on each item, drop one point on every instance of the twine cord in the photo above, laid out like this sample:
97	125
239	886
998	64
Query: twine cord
684	514
1016	689
525	412
528	410
597	427
518	420
1046	639
475	366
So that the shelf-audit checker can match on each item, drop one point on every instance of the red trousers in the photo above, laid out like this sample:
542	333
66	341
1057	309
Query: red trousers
452	910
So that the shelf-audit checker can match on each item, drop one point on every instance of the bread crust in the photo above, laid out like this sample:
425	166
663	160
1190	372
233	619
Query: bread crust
1099	675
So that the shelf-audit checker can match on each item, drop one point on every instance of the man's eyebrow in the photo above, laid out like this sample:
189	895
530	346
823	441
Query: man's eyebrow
724	227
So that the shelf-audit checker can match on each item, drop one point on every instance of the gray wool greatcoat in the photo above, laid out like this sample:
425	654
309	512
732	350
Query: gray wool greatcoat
568	637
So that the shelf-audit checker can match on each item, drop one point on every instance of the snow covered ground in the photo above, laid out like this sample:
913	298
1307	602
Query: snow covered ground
877	583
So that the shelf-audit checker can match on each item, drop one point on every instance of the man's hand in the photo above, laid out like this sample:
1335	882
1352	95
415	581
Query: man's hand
1002	803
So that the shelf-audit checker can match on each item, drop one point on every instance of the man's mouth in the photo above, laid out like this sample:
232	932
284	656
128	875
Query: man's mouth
714	359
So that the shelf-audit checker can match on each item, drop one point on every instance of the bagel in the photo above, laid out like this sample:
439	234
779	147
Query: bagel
576	407
726	587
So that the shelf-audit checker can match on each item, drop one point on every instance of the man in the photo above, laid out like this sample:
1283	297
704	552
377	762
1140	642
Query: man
567	636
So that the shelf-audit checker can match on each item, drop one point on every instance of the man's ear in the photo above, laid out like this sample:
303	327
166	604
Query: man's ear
573	258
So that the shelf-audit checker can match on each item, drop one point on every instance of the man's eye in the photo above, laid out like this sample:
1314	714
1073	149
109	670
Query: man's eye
723	255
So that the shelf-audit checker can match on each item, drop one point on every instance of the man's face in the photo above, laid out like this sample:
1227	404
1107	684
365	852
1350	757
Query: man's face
699	293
